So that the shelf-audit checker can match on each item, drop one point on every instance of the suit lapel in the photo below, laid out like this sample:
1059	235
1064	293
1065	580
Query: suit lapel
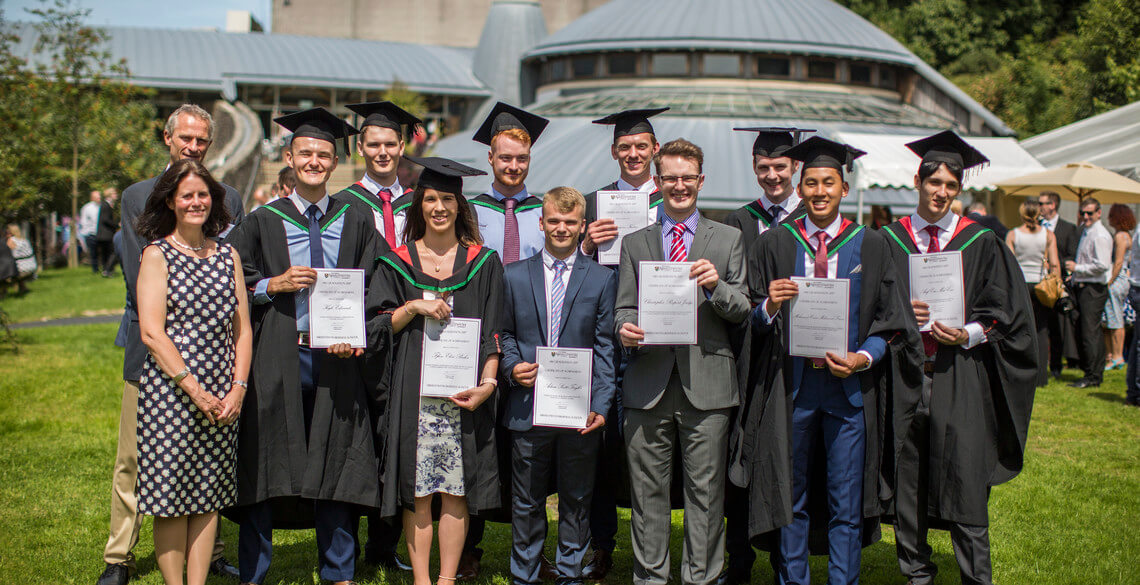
656	252
700	240
577	275
538	287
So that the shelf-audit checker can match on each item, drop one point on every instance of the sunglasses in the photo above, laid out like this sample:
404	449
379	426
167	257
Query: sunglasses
1089	213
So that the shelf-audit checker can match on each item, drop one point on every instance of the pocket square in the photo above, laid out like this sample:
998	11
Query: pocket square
857	269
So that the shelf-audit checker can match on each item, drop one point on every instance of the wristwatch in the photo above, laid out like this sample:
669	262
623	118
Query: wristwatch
180	375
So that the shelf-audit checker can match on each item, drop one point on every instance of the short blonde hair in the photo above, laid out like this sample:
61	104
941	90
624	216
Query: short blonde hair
564	200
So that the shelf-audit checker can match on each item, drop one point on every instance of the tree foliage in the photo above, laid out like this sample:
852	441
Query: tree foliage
1037	64
70	98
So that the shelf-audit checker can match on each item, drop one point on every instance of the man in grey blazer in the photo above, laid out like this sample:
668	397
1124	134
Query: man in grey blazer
679	397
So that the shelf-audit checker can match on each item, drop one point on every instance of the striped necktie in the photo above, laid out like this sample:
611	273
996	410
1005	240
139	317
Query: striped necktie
557	297
677	248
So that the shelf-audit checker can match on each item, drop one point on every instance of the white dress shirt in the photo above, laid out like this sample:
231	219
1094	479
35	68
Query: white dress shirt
548	277
374	187
648	186
789	204
1094	256
947	225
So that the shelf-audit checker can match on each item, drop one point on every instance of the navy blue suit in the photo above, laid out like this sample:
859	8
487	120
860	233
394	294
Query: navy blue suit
831	409
587	322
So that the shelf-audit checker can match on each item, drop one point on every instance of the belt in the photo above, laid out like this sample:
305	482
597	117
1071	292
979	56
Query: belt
817	365
303	338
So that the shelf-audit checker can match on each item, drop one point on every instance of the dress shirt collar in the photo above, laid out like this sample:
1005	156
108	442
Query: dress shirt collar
832	230
648	186
947	224
520	196
374	187
690	222
788	204
303	206
548	260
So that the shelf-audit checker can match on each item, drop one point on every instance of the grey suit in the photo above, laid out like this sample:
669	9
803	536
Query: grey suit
679	397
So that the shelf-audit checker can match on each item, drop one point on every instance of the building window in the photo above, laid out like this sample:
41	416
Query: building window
887	79
584	66
670	64
722	65
860	73
821	70
773	67
556	70
622	64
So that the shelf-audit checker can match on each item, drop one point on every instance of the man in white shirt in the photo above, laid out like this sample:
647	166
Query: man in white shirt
1091	271
88	223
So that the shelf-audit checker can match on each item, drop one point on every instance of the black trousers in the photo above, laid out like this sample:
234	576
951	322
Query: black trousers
1041	315
1091	297
971	543
104	255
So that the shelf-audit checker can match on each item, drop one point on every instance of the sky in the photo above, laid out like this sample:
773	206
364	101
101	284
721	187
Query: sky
152	13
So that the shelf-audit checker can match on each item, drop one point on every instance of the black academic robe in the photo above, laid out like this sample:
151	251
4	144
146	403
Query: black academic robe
337	460
745	219
764	459
362	201
476	287
981	397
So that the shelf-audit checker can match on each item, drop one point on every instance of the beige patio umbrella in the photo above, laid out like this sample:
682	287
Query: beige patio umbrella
1076	181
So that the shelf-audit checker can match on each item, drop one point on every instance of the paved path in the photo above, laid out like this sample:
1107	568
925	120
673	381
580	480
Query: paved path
68	321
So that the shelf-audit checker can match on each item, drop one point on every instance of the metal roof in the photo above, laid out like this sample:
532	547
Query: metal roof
742	25
512	27
1110	140
218	61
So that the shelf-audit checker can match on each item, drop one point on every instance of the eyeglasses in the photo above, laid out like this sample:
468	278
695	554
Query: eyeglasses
686	179
1089	213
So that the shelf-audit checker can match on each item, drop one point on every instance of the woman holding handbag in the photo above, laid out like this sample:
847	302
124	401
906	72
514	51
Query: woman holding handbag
1036	251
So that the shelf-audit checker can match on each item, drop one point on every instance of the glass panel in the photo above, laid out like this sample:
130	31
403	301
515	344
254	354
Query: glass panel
557	70
887	77
722	65
622	64
584	66
670	64
860	73
821	70
773	67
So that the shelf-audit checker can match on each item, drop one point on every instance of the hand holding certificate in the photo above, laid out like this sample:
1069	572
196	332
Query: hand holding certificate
936	279
336	308
562	388
450	362
630	212
818	322
667	303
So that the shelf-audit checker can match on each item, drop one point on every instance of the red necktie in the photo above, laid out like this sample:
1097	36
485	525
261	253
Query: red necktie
820	272
677	248
929	344
389	218
510	232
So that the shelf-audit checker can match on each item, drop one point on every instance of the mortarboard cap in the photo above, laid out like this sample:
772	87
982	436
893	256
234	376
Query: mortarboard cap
820	152
947	147
506	117
443	174
385	115
774	142
631	121
316	123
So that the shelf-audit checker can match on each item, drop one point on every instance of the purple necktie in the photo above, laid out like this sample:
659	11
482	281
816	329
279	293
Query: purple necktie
510	232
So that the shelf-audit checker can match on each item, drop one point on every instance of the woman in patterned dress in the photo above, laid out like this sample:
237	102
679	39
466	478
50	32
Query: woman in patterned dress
194	321
437	446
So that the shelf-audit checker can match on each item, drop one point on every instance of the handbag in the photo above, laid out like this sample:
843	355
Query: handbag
1049	290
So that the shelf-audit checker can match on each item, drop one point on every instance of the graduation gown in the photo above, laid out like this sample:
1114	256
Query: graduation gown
337	460
751	217
763	461
476	287
363	201
982	397
491	215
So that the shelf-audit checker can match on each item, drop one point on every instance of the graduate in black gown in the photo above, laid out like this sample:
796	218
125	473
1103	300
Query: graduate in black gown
306	429
966	430
437	446
810	421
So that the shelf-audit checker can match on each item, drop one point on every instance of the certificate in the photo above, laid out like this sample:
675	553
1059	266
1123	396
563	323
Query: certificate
819	317
562	388
450	360
630	212
667	303
936	279
336	308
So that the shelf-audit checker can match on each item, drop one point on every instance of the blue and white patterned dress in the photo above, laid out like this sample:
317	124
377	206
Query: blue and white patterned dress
186	464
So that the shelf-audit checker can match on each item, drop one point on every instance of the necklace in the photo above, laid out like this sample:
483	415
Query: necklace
432	256
187	246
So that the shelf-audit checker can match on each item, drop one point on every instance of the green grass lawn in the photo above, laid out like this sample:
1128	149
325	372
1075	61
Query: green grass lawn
1073	516
66	292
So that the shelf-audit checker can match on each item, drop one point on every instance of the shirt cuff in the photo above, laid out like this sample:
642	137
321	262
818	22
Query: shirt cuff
764	311
870	360
261	292
976	333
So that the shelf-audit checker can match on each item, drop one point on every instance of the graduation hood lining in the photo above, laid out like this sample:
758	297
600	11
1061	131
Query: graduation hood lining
327	223
438	289
832	251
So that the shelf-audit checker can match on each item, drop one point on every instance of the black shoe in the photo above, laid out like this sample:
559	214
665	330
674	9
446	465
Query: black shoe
220	567
546	569
1084	383
1055	373
1131	402
117	574
390	561
599	566
738	574
469	564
